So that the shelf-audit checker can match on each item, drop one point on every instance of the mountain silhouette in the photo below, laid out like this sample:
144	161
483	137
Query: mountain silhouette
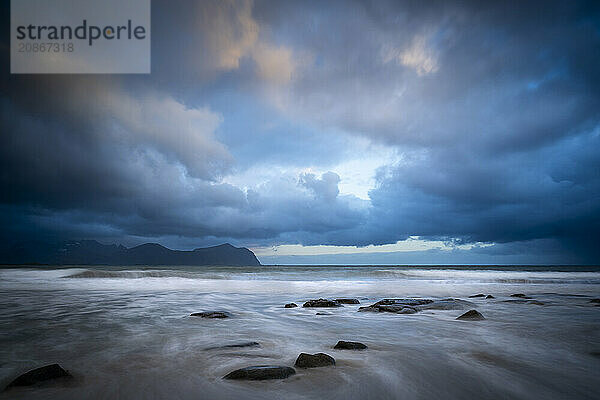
91	252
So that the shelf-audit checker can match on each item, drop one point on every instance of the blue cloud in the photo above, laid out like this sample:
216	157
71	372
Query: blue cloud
492	109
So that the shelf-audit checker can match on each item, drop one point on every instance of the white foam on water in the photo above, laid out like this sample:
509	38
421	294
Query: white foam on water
125	333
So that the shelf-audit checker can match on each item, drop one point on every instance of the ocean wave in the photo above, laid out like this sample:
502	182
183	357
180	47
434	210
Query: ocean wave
391	273
104	274
547	281
490	276
342	274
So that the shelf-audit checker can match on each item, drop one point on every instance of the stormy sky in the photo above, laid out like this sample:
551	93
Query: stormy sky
323	132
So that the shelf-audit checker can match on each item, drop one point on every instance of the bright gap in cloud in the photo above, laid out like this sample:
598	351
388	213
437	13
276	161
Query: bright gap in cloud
414	243
357	172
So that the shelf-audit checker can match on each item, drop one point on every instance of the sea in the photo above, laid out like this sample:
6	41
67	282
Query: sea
126	332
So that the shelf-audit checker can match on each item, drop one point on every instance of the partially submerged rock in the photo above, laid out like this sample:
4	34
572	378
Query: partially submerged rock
445	304
595	301
396	306
211	314
235	346
411	306
323	313
261	372
347	301
291	305
520	295
471	315
42	374
321	303
405	302
344	345
397	309
393	308
480	295
305	360
368	309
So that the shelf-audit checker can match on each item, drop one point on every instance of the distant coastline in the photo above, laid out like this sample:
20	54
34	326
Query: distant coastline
91	252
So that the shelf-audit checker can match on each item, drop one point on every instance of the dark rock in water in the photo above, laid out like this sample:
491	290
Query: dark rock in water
595	301
445	304
471	315
397	306
291	305
394	308
406	302
407	310
235	346
480	295
347	301
46	373
323	313
261	372
305	360
211	314
368	309
343	345
520	295
411	306
397	309
321	303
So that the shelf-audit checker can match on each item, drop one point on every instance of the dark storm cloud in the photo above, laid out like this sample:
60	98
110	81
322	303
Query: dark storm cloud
495	106
493	109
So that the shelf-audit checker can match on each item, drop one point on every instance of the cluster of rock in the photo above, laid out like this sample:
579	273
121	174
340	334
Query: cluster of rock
412	306
397	306
401	305
304	360
252	373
